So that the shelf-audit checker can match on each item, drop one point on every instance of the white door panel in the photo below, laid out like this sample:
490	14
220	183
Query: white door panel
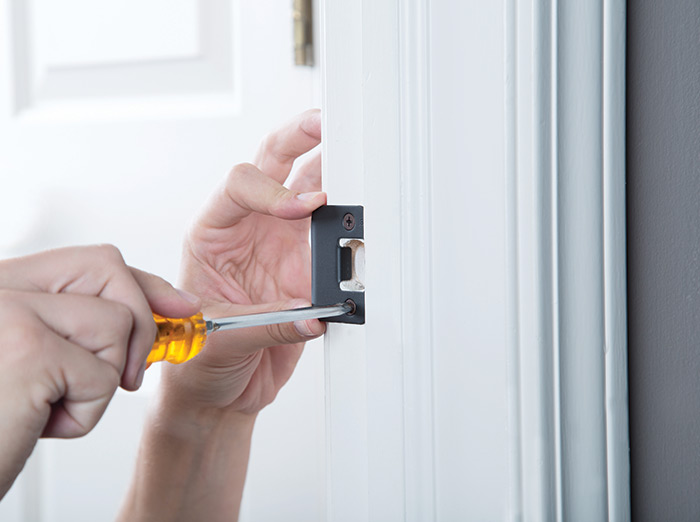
117	119
161	30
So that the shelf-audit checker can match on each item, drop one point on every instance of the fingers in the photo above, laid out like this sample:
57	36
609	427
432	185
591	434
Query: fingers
97	271
81	270
163	298
104	265
100	271
280	148
307	176
245	341
65	353
248	190
259	187
99	326
85	385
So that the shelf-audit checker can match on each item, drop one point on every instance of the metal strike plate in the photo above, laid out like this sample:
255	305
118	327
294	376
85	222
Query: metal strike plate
337	234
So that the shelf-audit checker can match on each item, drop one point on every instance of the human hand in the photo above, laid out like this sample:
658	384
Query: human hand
74	324
249	252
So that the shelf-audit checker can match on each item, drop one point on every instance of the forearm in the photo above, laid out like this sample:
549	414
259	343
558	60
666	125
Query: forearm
191	465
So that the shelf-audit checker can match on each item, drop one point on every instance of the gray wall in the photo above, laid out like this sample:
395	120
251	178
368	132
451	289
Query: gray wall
663	180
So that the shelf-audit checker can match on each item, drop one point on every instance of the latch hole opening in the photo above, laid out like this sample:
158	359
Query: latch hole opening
356	283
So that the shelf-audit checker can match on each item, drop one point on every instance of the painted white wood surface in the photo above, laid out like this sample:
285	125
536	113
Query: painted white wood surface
615	258
116	121
486	142
401	420
416	261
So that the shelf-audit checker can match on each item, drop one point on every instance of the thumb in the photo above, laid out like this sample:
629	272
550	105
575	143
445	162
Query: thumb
163	298
245	341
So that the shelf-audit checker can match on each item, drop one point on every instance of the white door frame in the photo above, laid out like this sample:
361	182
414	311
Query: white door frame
567	256
565	318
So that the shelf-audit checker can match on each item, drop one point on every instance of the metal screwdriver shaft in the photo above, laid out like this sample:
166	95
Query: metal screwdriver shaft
282	316
178	340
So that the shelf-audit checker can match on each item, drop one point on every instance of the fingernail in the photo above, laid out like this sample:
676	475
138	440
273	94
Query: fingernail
190	298
306	196
139	376
303	329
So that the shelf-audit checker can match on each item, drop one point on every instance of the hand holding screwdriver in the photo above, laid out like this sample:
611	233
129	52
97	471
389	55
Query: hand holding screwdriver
74	323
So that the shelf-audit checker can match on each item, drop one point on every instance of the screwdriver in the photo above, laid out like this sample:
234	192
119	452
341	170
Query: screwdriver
178	340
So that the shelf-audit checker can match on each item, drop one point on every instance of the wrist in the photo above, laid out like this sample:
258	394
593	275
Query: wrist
21	427
185	419
193	461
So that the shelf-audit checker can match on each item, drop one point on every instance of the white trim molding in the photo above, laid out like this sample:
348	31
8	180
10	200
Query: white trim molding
615	260
416	260
486	141
566	253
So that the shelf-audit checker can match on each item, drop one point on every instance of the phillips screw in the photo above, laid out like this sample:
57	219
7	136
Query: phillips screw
348	221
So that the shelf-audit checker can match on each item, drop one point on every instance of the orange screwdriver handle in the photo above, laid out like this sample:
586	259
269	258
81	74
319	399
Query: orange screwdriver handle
178	340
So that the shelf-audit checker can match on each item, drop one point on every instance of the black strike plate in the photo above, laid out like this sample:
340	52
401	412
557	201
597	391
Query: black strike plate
330	263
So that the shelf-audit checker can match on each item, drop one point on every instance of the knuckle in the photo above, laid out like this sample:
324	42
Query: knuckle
23	345
269	143
19	324
274	145
239	172
23	334
238	178
108	254
281	197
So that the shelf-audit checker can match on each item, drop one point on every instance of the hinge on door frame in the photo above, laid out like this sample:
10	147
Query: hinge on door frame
303	32
337	233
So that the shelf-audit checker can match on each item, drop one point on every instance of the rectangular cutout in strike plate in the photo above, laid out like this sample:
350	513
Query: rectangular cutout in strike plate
351	265
337	259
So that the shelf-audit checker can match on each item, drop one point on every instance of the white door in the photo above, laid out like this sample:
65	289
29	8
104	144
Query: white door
116	121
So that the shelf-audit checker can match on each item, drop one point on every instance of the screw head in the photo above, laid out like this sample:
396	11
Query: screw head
348	221
354	306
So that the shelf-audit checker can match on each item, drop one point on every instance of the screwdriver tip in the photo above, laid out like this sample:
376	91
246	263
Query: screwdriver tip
350	307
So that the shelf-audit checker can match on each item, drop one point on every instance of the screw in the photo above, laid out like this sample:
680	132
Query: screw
349	221
354	306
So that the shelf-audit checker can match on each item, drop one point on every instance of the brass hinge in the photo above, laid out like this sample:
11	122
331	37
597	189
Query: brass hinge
303	33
